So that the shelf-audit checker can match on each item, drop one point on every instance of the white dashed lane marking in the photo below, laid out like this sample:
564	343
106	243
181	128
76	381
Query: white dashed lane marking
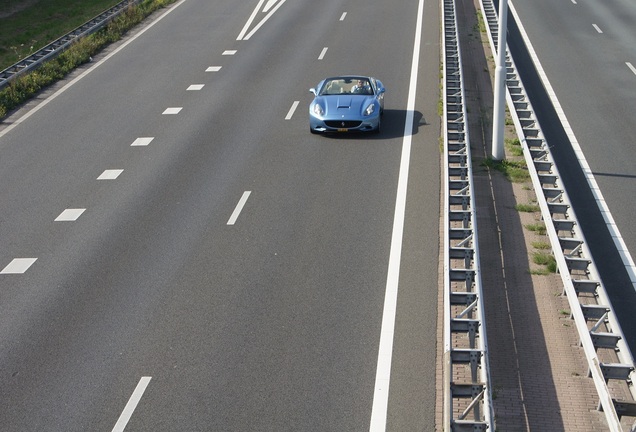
342	18
322	53
18	266
143	141
129	409
195	87
631	67
110	174
239	208
229	52
172	111
597	28
292	110
213	69
70	215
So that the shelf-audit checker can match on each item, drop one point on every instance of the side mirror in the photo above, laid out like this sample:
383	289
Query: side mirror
312	90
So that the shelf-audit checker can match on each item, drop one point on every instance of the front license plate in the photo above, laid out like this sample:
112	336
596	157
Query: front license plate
343	130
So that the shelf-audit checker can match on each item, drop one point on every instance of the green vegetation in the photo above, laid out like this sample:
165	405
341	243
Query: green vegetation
481	24
515	171
541	245
28	25
542	258
26	86
538	228
527	208
514	146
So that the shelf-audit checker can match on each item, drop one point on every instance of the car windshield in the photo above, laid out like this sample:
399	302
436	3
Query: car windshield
336	86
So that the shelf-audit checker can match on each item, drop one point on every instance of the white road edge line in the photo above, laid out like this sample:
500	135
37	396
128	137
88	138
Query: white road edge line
124	418
239	208
322	53
626	256
631	66
385	351
99	63
290	114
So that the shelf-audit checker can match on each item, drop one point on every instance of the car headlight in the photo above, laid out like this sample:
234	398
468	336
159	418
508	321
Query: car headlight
318	110
369	110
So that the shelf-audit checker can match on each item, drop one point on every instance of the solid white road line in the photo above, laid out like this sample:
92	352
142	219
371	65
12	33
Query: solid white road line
264	20
250	19
143	141
110	174
124	418
291	110
18	266
322	53
342	17
239	208
269	5
597	28
385	351
195	87
631	66
70	215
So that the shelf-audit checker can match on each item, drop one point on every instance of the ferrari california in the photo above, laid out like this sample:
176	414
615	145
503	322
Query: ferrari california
348	103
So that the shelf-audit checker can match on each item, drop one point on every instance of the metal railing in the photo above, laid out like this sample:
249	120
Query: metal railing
58	46
609	359
467	390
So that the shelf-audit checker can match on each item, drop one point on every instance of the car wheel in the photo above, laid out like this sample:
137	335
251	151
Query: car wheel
377	130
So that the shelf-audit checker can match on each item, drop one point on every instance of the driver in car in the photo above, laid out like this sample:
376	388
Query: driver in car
361	87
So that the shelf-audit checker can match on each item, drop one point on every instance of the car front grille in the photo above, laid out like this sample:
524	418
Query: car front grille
348	124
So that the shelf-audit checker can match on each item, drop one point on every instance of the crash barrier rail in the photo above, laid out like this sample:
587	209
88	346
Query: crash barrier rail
610	362
58	46
467	389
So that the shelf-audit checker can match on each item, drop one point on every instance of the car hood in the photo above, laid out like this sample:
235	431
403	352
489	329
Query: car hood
347	104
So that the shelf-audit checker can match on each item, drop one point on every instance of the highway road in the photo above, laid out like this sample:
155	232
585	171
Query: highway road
180	253
588	52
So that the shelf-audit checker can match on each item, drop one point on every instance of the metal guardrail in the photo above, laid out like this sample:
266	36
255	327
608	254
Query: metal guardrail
609	359
467	389
58	46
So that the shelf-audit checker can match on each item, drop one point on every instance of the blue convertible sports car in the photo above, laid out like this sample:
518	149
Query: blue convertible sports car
348	103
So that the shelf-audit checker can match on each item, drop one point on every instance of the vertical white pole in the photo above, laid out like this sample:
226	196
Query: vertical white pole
500	82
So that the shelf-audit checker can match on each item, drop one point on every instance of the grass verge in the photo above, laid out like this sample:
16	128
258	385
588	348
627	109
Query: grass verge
25	87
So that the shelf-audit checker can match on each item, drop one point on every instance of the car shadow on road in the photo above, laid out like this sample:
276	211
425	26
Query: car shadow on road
393	122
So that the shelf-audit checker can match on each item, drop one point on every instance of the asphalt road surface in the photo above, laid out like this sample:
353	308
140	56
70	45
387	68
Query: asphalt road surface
179	253
588	52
